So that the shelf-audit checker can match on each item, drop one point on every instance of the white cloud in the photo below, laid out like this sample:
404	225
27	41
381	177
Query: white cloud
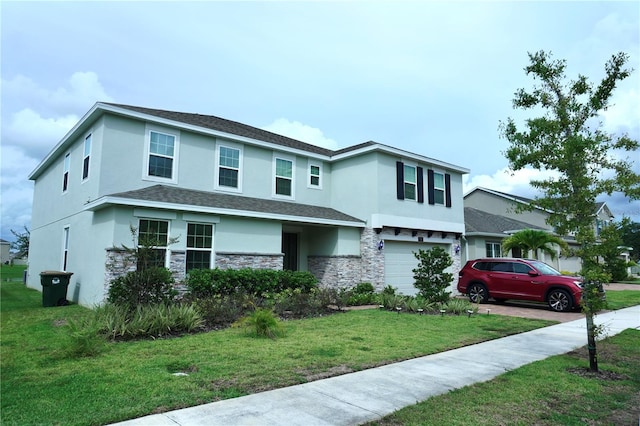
82	90
624	114
301	132
16	190
505	180
36	134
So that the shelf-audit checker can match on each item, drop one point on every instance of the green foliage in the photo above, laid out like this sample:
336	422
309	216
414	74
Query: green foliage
144	287
581	156
459	306
299	304
609	251
362	294
120	322
261	323
631	237
86	339
21	244
532	240
259	282
430	277
220	311
389	290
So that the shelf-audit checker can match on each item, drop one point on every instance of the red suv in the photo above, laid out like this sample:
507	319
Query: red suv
521	279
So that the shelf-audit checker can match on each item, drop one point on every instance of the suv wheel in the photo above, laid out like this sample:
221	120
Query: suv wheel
559	300
478	293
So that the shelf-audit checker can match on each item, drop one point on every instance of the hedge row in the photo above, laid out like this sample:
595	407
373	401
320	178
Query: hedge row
203	283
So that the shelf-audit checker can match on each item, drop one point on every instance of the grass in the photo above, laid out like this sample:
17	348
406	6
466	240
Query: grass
622	299
554	391
42	384
12	272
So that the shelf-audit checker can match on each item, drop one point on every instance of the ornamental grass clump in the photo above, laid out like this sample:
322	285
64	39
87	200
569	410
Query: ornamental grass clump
261	323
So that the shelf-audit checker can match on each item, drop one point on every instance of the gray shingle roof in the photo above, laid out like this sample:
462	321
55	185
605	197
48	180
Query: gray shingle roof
172	195
486	223
227	126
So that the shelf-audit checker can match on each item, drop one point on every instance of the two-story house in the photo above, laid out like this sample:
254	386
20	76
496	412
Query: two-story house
490	217
218	193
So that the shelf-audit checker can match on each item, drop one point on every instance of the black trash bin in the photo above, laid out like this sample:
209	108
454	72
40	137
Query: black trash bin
54	287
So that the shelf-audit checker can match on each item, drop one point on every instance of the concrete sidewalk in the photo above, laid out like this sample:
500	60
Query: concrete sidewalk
368	395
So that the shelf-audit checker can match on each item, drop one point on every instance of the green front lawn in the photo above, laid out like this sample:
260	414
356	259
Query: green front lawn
12	272
42	384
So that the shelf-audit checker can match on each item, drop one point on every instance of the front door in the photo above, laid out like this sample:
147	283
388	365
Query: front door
290	250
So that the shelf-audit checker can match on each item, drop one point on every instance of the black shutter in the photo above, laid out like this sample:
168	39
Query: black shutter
420	185
447	189
400	179
430	190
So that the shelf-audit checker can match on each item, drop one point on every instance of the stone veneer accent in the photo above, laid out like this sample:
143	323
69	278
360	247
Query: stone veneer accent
372	259
336	271
119	262
226	260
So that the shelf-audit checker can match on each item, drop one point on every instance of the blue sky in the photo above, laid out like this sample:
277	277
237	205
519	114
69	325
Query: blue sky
434	78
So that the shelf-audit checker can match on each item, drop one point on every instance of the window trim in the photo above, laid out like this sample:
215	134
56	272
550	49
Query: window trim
65	247
405	182
400	181
147	154
493	244
292	160
206	249
86	158
166	247
446	190
310	175
66	167
216	183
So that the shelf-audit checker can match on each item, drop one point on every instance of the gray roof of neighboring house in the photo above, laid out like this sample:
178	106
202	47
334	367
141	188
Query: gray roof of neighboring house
478	221
227	126
172	195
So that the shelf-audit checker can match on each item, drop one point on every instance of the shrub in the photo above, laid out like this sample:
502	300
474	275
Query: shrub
148	286
362	294
298	303
261	323
121	322
459	306
218	311
430	277
257	282
85	338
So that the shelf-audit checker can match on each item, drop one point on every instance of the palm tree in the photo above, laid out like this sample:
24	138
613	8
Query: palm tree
533	240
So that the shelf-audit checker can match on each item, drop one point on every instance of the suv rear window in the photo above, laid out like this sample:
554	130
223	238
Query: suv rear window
502	267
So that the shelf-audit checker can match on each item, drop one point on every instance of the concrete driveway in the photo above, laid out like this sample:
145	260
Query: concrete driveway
541	310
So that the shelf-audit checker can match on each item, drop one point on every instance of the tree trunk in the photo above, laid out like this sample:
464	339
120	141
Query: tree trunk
591	343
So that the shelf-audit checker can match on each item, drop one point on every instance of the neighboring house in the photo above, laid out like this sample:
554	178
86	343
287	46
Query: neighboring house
5	255
234	196
490	217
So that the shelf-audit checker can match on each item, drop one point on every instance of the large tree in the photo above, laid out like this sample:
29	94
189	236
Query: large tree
568	140
21	244
532	240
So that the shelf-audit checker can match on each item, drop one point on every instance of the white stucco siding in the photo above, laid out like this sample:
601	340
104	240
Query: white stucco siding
240	235
356	189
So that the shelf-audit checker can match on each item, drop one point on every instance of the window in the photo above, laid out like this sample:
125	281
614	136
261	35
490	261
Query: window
228	167
199	244
409	182
521	268
65	174
314	176
86	157
153	237
438	188
65	248
284	177
493	249
161	156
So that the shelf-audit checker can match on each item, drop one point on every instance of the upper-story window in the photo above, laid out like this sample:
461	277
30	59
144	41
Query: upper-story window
283	182
65	173
86	157
315	178
229	160
439	188
161	156
410	183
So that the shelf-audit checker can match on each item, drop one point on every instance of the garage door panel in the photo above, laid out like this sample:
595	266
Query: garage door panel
400	263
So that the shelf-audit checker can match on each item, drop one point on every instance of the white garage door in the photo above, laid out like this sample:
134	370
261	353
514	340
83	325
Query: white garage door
399	262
